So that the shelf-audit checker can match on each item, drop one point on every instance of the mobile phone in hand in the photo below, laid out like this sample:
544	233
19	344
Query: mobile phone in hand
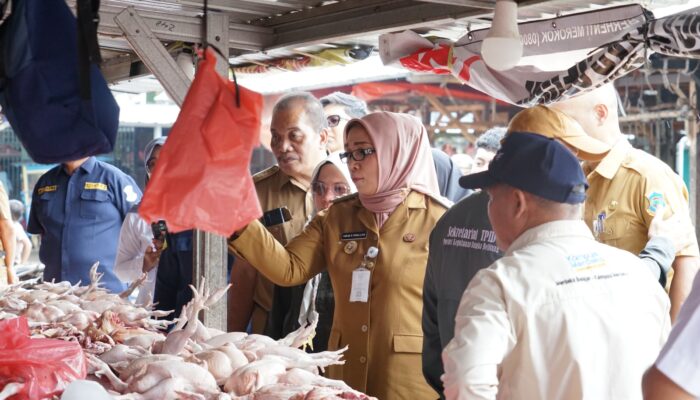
159	229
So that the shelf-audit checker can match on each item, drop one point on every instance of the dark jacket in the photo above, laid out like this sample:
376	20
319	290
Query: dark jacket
175	273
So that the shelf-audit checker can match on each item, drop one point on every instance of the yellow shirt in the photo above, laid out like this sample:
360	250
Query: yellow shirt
276	189
384	334
625	189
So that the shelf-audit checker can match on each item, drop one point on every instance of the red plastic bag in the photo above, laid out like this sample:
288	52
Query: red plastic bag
201	180
44	366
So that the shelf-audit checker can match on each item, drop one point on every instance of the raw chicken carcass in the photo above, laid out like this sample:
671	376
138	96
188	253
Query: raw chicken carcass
169	377
251	377
300	377
221	362
296	358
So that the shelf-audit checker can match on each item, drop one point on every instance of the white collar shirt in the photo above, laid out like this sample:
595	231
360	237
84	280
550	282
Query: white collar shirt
680	358
560	316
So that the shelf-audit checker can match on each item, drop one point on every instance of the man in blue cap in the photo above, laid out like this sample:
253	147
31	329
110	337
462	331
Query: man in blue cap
78	208
545	320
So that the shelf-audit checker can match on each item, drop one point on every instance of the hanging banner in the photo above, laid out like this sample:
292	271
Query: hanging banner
585	31
526	85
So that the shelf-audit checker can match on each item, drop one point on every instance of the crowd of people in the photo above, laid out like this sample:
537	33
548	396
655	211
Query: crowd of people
554	269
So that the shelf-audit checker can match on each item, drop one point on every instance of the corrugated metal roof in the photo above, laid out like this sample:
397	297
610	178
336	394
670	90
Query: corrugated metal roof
262	30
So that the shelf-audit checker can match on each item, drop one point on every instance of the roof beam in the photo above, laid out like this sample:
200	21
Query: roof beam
380	19
152	52
173	27
487	5
326	11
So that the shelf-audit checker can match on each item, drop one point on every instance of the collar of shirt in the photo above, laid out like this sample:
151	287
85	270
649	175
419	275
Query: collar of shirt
413	200
286	179
608	166
550	230
87	166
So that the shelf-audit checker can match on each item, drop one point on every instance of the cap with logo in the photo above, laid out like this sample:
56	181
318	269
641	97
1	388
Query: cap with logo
555	124
535	164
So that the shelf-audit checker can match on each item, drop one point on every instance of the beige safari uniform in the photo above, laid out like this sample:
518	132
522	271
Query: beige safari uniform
276	189
384	335
622	189
4	214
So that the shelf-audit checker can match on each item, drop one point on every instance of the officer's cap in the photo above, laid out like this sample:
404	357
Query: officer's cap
555	124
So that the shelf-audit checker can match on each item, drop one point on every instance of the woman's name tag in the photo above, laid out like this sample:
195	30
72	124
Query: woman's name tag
360	285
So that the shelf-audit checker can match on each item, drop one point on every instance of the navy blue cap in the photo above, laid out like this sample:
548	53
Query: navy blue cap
534	164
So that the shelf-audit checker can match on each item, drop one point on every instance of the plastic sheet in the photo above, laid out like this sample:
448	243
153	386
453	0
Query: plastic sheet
44	366
201	180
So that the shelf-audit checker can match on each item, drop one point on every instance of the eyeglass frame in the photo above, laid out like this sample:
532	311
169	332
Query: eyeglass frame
340	118
352	154
325	188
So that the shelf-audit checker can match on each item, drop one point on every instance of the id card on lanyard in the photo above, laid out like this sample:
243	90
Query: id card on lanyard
359	292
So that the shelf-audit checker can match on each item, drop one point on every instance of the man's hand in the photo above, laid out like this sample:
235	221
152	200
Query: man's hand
679	230
152	255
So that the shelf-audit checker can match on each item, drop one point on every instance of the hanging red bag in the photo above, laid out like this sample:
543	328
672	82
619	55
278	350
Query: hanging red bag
201	180
44	367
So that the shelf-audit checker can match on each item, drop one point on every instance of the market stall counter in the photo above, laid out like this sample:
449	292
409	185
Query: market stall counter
133	354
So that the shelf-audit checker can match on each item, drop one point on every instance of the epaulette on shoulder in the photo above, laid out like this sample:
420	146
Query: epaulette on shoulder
444	201
346	197
264	174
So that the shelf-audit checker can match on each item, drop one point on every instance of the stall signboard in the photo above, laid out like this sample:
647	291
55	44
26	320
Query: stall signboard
624	38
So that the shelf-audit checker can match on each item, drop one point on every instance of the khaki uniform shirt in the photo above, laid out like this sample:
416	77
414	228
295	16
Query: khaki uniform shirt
384	334
624	190
560	316
276	189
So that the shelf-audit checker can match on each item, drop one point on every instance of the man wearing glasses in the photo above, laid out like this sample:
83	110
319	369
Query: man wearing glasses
341	108
298	141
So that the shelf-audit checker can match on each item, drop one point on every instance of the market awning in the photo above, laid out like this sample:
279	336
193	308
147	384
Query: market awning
624	37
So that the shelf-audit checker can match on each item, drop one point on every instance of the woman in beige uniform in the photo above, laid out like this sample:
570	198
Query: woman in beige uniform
395	209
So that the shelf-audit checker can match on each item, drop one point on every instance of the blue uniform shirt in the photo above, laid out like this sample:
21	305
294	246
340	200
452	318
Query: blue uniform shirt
79	217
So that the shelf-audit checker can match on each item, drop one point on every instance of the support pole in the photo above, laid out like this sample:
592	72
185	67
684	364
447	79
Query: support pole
152	52
693	154
210	250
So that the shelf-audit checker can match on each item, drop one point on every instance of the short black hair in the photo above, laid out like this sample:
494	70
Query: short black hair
491	139
312	108
354	107
16	209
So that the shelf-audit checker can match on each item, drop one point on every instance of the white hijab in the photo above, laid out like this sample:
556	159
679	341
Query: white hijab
334	158
307	312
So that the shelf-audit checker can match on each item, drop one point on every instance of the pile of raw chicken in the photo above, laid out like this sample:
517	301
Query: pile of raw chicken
129	354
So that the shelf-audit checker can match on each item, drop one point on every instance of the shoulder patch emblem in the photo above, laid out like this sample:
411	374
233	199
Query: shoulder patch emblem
130	193
656	201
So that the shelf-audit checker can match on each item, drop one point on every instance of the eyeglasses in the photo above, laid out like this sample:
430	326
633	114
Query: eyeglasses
334	120
339	189
357	155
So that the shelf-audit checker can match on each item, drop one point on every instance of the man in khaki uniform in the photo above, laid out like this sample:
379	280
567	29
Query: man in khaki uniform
299	143
627	187
7	237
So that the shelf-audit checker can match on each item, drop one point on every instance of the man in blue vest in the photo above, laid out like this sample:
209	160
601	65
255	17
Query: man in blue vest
78	208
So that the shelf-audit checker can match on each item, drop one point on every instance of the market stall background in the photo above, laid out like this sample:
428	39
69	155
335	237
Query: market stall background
148	44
